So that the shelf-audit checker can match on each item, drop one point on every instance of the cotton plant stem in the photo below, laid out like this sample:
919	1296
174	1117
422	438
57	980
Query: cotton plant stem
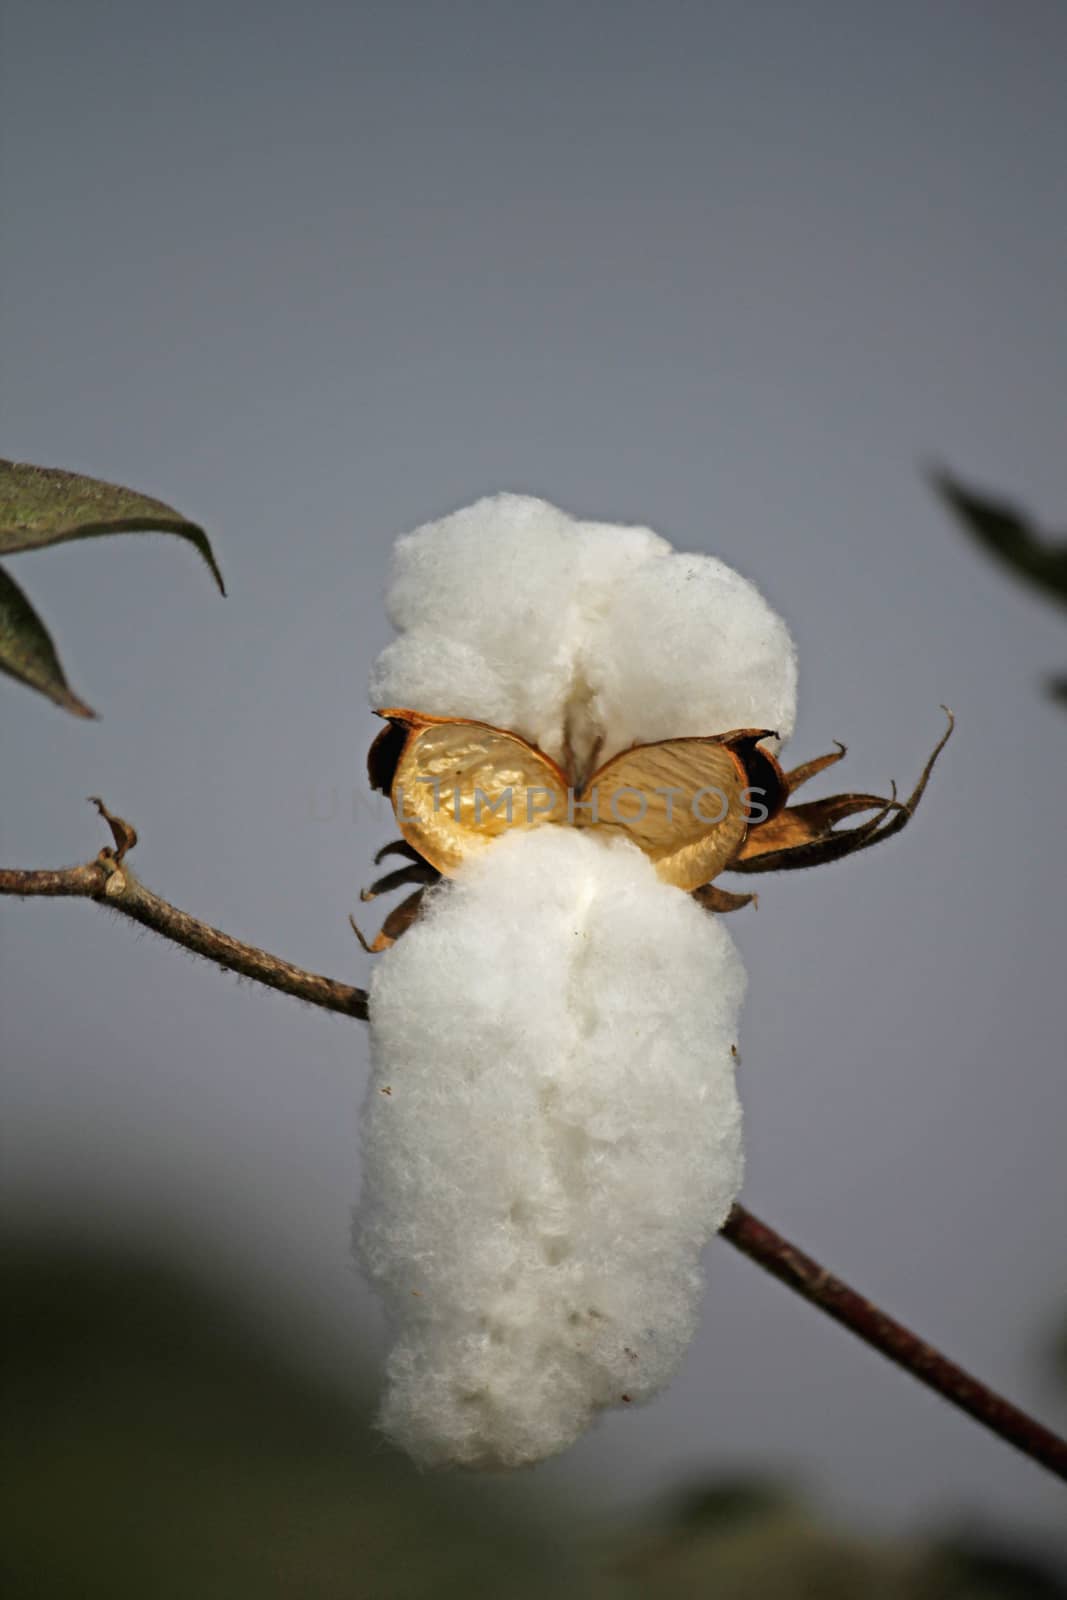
109	882
792	1267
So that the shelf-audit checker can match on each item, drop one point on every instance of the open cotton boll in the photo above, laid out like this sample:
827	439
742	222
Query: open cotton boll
551	1135
552	1131
514	613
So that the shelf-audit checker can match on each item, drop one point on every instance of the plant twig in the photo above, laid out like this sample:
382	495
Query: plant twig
109	881
791	1266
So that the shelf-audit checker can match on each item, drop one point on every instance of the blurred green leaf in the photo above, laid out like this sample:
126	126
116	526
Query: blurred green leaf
741	1539
776	1555
27	652
162	1440
41	506
1008	535
729	1501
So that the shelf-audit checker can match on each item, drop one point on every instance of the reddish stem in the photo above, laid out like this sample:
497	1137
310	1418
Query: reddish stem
791	1266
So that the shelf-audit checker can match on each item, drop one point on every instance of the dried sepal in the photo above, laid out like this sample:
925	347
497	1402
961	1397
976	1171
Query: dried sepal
811	769
806	836
401	917
418	871
123	832
811	823
395	925
713	898
396	847
414	872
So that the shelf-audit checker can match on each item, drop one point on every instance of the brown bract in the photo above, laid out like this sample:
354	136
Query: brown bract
458	785
696	807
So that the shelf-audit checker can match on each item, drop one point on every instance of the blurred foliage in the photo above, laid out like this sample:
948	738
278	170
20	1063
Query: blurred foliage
161	1446
765	1546
1014	540
41	506
1058	1351
161	1443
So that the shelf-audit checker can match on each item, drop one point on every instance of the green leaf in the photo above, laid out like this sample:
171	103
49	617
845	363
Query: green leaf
27	652
1008	535
726	1502
40	506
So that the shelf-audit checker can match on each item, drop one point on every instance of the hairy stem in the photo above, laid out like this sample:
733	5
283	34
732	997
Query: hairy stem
110	883
791	1266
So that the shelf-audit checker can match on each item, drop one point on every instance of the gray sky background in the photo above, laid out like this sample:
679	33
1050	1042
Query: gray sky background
317	273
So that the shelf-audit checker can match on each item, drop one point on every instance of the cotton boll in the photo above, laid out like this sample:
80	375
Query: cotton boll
552	1131
551	1135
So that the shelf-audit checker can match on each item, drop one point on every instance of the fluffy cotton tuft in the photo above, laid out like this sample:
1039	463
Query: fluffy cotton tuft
551	1135
512	612
552	1131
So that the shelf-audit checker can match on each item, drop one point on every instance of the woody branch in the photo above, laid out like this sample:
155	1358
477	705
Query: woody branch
109	882
822	1289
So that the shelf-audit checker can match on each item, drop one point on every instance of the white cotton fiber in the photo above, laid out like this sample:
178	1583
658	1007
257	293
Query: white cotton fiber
551	1135
688	646
552	1131
514	613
